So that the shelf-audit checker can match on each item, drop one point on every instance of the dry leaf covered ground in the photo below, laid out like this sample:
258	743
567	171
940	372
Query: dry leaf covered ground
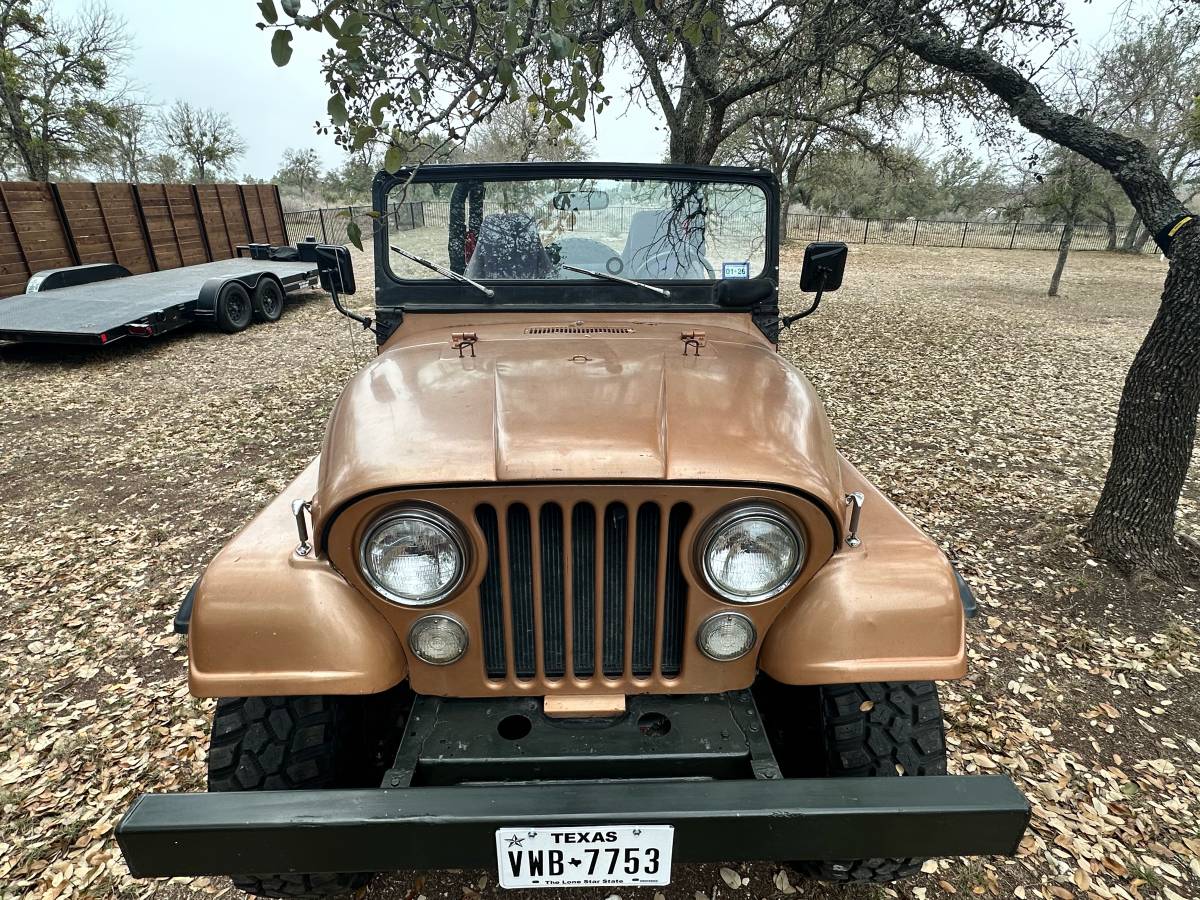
983	408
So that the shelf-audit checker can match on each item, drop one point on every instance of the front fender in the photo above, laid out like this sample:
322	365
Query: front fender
887	610
267	621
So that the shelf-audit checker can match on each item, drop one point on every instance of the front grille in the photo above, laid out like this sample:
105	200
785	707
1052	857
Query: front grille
602	586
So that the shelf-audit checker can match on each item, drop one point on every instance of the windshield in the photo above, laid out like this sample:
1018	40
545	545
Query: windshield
549	229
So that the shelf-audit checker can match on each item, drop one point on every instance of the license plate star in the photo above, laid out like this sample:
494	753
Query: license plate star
515	841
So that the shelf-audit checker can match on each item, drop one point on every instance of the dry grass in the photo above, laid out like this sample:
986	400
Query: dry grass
983	408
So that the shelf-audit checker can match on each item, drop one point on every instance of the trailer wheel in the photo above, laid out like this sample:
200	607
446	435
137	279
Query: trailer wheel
290	743
234	308
877	729
268	300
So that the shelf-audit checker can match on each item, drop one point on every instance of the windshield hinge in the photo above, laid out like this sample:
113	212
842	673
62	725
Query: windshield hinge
693	339
463	341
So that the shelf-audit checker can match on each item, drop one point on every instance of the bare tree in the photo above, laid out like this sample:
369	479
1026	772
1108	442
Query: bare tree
515	134
56	83
125	143
164	167
1150	79
204	138
300	168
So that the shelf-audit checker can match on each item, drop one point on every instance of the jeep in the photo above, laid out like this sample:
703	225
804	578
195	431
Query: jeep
579	587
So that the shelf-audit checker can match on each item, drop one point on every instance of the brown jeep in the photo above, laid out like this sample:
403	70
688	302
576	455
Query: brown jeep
579	586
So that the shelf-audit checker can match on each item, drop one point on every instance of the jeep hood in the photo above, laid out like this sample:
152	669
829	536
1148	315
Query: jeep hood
564	406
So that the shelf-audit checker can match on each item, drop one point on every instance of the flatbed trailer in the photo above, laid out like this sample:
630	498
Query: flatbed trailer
103	303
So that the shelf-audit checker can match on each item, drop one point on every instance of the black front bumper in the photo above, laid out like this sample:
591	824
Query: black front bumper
456	780
451	827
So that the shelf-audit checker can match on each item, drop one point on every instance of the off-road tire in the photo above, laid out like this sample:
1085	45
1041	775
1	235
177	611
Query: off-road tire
268	300
235	310
290	743
879	729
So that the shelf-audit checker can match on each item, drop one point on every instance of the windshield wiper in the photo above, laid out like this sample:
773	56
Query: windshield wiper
610	277
446	273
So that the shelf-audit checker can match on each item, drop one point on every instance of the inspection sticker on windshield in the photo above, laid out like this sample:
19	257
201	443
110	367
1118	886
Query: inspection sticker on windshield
584	855
735	269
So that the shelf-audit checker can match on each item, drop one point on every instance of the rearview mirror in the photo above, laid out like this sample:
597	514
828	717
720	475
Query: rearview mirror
574	201
824	265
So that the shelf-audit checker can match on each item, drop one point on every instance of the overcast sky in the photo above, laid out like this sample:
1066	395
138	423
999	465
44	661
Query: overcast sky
213	55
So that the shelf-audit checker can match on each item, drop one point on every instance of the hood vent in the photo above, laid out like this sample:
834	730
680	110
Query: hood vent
578	329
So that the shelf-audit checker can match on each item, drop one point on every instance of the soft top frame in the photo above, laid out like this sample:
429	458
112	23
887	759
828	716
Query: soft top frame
397	295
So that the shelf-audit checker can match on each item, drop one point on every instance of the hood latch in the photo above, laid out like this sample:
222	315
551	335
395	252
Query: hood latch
463	341
693	339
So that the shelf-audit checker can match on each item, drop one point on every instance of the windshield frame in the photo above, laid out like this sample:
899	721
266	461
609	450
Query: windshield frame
559	295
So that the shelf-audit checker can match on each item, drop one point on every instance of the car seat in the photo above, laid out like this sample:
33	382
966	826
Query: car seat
659	245
509	247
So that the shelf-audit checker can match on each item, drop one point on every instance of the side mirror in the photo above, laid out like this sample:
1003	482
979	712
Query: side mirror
824	265
335	269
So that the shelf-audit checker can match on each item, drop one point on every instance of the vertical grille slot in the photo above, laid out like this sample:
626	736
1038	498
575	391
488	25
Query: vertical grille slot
675	595
618	567
554	646
583	588
490	600
645	589
616	544
520	585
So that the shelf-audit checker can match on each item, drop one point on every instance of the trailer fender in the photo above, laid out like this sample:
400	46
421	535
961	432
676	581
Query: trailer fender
49	279
206	302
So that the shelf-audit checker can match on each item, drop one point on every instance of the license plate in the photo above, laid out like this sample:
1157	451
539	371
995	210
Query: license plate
584	855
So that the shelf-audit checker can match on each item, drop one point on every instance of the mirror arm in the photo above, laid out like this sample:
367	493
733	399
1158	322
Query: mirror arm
365	321
788	321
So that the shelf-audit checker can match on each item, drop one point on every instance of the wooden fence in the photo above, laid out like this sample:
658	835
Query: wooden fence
144	227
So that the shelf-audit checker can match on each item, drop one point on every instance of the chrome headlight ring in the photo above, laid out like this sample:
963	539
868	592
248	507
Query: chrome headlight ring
438	525
740	516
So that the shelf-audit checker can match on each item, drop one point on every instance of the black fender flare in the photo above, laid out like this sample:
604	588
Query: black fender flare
71	276
206	302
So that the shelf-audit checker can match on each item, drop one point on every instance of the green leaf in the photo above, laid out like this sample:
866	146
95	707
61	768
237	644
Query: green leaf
336	108
363	134
354	233
378	107
291	7
393	159
639	8
281	48
560	46
267	7
331	25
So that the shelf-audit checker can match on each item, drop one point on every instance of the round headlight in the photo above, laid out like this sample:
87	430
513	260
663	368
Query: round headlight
438	640
726	637
413	556
752	553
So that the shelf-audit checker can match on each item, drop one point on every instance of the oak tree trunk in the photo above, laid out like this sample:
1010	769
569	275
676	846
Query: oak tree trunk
1131	233
1064	248
1134	522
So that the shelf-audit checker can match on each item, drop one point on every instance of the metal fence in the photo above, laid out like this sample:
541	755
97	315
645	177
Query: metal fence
329	225
929	233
